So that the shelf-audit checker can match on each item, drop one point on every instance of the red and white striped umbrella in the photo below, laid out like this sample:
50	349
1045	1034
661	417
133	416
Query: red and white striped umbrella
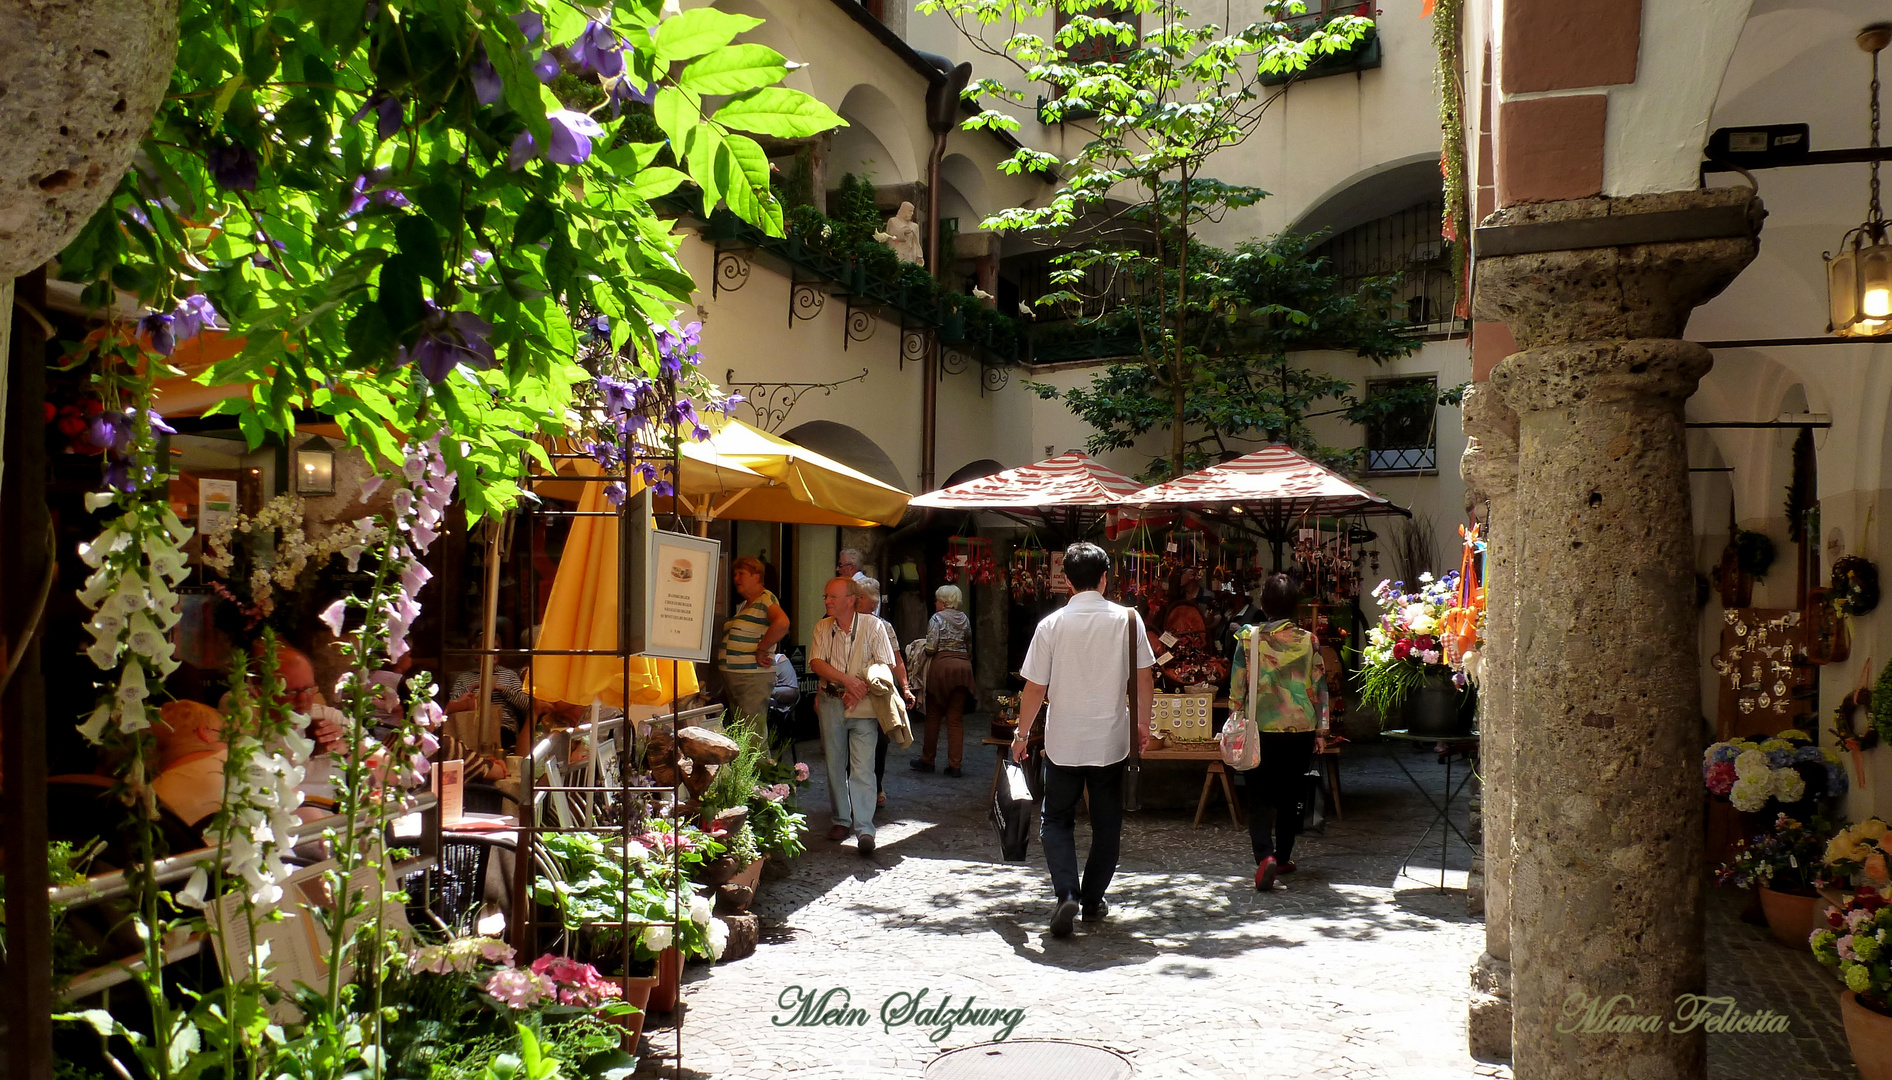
1275	477
1071	481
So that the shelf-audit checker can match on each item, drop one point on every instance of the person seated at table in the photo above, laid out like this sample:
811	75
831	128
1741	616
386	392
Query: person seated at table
191	755
1290	714
949	681
787	690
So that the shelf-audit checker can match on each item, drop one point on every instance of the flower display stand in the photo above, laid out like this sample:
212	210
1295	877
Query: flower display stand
1869	1032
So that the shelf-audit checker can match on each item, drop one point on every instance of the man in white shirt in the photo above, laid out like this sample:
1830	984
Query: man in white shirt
845	645
1080	656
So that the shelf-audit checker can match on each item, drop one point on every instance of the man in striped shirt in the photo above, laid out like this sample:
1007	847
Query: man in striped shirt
748	656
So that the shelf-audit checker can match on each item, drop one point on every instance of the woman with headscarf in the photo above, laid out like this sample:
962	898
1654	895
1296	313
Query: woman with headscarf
949	679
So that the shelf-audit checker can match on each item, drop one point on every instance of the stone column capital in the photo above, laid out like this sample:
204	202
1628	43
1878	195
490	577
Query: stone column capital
1489	465
1596	372
1630	290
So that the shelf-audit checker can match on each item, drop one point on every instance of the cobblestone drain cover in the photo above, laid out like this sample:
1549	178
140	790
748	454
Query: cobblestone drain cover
1030	1059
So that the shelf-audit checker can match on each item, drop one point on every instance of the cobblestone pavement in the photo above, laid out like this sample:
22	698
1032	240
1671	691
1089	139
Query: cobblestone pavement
1352	970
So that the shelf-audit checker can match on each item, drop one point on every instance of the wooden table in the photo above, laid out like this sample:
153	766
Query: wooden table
1212	754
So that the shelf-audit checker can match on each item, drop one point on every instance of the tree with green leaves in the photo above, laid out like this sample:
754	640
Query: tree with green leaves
1250	312
397	205
1156	95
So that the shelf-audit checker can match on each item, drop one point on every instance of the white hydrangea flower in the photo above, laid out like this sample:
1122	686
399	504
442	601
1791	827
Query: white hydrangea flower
700	909
1789	786
657	938
1752	764
1751	792
718	938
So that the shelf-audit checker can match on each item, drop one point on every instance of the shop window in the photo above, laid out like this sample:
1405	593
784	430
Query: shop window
1403	437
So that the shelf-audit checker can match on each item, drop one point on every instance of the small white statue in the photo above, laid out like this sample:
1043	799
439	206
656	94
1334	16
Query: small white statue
903	235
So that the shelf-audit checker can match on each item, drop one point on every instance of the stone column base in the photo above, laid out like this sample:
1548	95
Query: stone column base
1488	1022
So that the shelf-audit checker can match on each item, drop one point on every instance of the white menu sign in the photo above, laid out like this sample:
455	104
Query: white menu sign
680	623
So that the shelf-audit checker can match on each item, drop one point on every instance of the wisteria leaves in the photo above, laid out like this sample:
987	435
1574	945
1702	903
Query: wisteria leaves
396	213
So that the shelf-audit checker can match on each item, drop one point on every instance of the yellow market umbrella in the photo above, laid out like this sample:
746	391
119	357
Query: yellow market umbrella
807	488
583	614
703	474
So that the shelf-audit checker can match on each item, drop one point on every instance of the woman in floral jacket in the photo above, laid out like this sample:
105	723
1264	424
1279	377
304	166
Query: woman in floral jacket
1289	708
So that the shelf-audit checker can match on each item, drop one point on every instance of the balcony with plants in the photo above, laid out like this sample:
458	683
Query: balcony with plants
1361	55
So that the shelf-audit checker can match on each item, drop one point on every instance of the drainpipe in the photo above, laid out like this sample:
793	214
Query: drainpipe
942	110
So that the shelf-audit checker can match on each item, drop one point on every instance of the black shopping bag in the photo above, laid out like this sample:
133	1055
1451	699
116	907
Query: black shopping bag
1011	812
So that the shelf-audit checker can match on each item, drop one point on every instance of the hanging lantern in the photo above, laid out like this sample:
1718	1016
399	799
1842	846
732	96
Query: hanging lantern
1859	276
315	467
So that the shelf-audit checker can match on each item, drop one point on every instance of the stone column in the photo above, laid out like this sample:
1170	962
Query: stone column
1605	886
1490	469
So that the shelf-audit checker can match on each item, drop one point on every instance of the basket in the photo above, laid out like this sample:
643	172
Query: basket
1183	718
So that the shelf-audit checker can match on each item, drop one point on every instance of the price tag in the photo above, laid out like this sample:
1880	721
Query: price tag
1164	659
1168	639
1172	546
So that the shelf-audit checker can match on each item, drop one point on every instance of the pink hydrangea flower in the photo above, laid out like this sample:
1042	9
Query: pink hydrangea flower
519	989
801	771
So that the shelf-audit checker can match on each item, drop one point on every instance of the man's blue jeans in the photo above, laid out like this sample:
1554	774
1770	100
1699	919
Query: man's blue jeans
1064	785
848	745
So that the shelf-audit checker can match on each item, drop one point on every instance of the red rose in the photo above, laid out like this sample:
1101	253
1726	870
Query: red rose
1426	642
1402	649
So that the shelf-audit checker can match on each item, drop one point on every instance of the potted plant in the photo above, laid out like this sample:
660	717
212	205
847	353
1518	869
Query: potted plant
1409	673
774	815
1857	944
1786	866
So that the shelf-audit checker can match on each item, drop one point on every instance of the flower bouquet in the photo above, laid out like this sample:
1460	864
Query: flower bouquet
1411	650
1790	859
1787	768
1864	850
1857	943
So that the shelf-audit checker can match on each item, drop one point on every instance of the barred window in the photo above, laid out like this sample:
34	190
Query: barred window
1404	438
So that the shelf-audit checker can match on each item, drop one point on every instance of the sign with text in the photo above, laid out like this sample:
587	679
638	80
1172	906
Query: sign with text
667	587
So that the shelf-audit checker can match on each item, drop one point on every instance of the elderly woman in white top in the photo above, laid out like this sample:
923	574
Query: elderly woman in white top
949	681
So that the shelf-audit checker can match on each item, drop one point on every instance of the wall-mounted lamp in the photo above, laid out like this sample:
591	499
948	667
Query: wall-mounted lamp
1859	277
315	467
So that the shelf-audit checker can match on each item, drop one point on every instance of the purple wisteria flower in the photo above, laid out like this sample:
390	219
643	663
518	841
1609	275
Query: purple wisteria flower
546	67
391	199
598	50
572	133
158	326
531	24
449	339
677	347
233	167
622	91
487	85
387	110
598	329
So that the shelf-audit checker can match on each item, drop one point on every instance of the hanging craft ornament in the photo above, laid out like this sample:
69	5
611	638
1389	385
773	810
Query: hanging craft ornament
1847	730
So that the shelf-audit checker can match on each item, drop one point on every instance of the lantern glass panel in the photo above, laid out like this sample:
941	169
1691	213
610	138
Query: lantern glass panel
315	472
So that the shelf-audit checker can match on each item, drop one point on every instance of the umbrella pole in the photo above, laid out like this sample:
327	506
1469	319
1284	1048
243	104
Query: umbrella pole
488	735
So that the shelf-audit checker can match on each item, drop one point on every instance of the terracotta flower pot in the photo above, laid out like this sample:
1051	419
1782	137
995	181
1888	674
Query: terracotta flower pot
637	990
1869	1033
717	871
735	895
1789	916
663	996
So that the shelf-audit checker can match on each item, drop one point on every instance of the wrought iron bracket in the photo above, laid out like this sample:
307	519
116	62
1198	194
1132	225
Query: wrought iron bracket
860	324
805	301
913	344
772	402
731	271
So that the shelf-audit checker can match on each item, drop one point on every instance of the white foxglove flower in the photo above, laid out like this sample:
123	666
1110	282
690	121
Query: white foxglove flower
146	639
103	653
99	500
170	563
192	894
94	727
131	687
129	596
334	615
